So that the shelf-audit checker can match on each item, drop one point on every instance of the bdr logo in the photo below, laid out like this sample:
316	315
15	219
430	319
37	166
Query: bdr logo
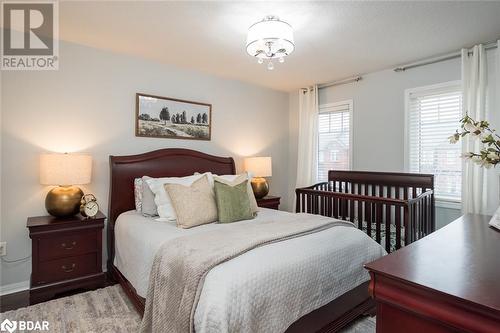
30	35
24	325
8	325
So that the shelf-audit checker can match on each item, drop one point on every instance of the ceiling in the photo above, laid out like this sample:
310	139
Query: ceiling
333	40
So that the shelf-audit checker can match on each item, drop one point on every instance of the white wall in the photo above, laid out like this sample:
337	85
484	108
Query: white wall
378	118
88	105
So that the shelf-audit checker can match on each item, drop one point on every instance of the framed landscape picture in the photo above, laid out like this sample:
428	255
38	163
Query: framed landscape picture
163	117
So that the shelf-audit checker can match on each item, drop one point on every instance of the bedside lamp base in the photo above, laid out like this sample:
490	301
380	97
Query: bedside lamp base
63	201
260	187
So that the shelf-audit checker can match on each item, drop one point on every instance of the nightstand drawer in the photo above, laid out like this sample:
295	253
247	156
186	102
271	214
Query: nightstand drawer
68	268
67	245
269	202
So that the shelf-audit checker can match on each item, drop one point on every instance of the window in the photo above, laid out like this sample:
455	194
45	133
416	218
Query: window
334	138
433	114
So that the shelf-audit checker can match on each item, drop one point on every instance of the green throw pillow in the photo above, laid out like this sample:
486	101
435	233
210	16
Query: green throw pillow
233	203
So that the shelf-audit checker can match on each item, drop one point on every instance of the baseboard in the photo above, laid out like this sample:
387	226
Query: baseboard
14	287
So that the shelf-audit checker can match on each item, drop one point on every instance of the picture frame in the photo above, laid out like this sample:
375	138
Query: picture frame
172	118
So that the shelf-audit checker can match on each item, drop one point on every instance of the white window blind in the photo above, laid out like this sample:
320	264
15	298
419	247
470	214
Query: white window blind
334	138
433	114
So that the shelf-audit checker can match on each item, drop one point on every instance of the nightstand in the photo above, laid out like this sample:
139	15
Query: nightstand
269	202
66	255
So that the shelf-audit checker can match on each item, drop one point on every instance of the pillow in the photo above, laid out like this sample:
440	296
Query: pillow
138	194
233	180
233	203
194	204
162	198
148	205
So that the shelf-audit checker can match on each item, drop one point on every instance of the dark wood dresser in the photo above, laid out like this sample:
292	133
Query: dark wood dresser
66	254
449	281
269	202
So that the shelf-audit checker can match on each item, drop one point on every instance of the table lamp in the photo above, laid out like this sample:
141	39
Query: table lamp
64	170
259	167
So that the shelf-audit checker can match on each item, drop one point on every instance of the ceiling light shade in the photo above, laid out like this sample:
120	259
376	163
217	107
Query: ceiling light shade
270	38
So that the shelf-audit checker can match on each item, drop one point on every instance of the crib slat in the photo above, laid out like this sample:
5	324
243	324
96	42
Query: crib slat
328	207
378	223
423	219
429	216
335	208
309	203
360	214
370	216
345	208
414	219
380	214
351	210
388	228
397	213
315	204
322	205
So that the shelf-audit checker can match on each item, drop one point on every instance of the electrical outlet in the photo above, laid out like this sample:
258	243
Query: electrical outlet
3	249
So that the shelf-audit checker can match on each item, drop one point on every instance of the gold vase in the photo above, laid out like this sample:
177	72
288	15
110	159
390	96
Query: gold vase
260	187
63	201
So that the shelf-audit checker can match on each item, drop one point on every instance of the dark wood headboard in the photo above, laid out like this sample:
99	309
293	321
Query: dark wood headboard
170	162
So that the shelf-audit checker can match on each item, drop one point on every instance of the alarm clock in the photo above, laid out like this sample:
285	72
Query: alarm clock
88	206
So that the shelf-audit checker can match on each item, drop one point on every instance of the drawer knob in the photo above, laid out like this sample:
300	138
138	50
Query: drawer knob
68	269
70	247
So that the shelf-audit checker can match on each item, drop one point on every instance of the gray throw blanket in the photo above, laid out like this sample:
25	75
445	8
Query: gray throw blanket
181	265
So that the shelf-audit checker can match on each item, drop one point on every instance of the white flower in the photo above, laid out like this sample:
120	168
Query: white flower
474	130
482	163
477	159
454	138
493	156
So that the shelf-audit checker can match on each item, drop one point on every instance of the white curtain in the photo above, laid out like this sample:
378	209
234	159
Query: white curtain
474	85
307	163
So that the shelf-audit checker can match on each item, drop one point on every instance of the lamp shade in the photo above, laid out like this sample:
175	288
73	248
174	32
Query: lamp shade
65	169
259	166
270	38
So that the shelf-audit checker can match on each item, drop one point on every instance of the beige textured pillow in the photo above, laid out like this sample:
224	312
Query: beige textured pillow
236	180
194	205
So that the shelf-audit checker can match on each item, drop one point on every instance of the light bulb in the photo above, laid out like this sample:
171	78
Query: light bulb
281	59
270	65
260	60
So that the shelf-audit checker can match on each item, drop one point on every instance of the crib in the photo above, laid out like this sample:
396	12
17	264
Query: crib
395	209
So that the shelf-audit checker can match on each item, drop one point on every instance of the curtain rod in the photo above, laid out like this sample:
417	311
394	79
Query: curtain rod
402	68
337	82
444	57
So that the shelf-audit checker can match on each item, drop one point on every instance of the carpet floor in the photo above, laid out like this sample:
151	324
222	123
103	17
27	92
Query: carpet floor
107	310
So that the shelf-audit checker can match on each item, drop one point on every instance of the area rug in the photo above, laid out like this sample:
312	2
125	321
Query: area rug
104	311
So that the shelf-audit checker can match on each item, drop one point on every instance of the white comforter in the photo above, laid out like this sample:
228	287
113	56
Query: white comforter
248	293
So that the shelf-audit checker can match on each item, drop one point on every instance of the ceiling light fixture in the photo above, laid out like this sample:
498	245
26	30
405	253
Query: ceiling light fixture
269	39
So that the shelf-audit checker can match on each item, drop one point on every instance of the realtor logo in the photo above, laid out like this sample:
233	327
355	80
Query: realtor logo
8	325
30	35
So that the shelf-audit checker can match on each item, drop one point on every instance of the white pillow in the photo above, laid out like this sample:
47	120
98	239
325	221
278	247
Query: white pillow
162	200
148	205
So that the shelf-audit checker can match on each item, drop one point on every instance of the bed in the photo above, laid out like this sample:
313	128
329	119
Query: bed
341	294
